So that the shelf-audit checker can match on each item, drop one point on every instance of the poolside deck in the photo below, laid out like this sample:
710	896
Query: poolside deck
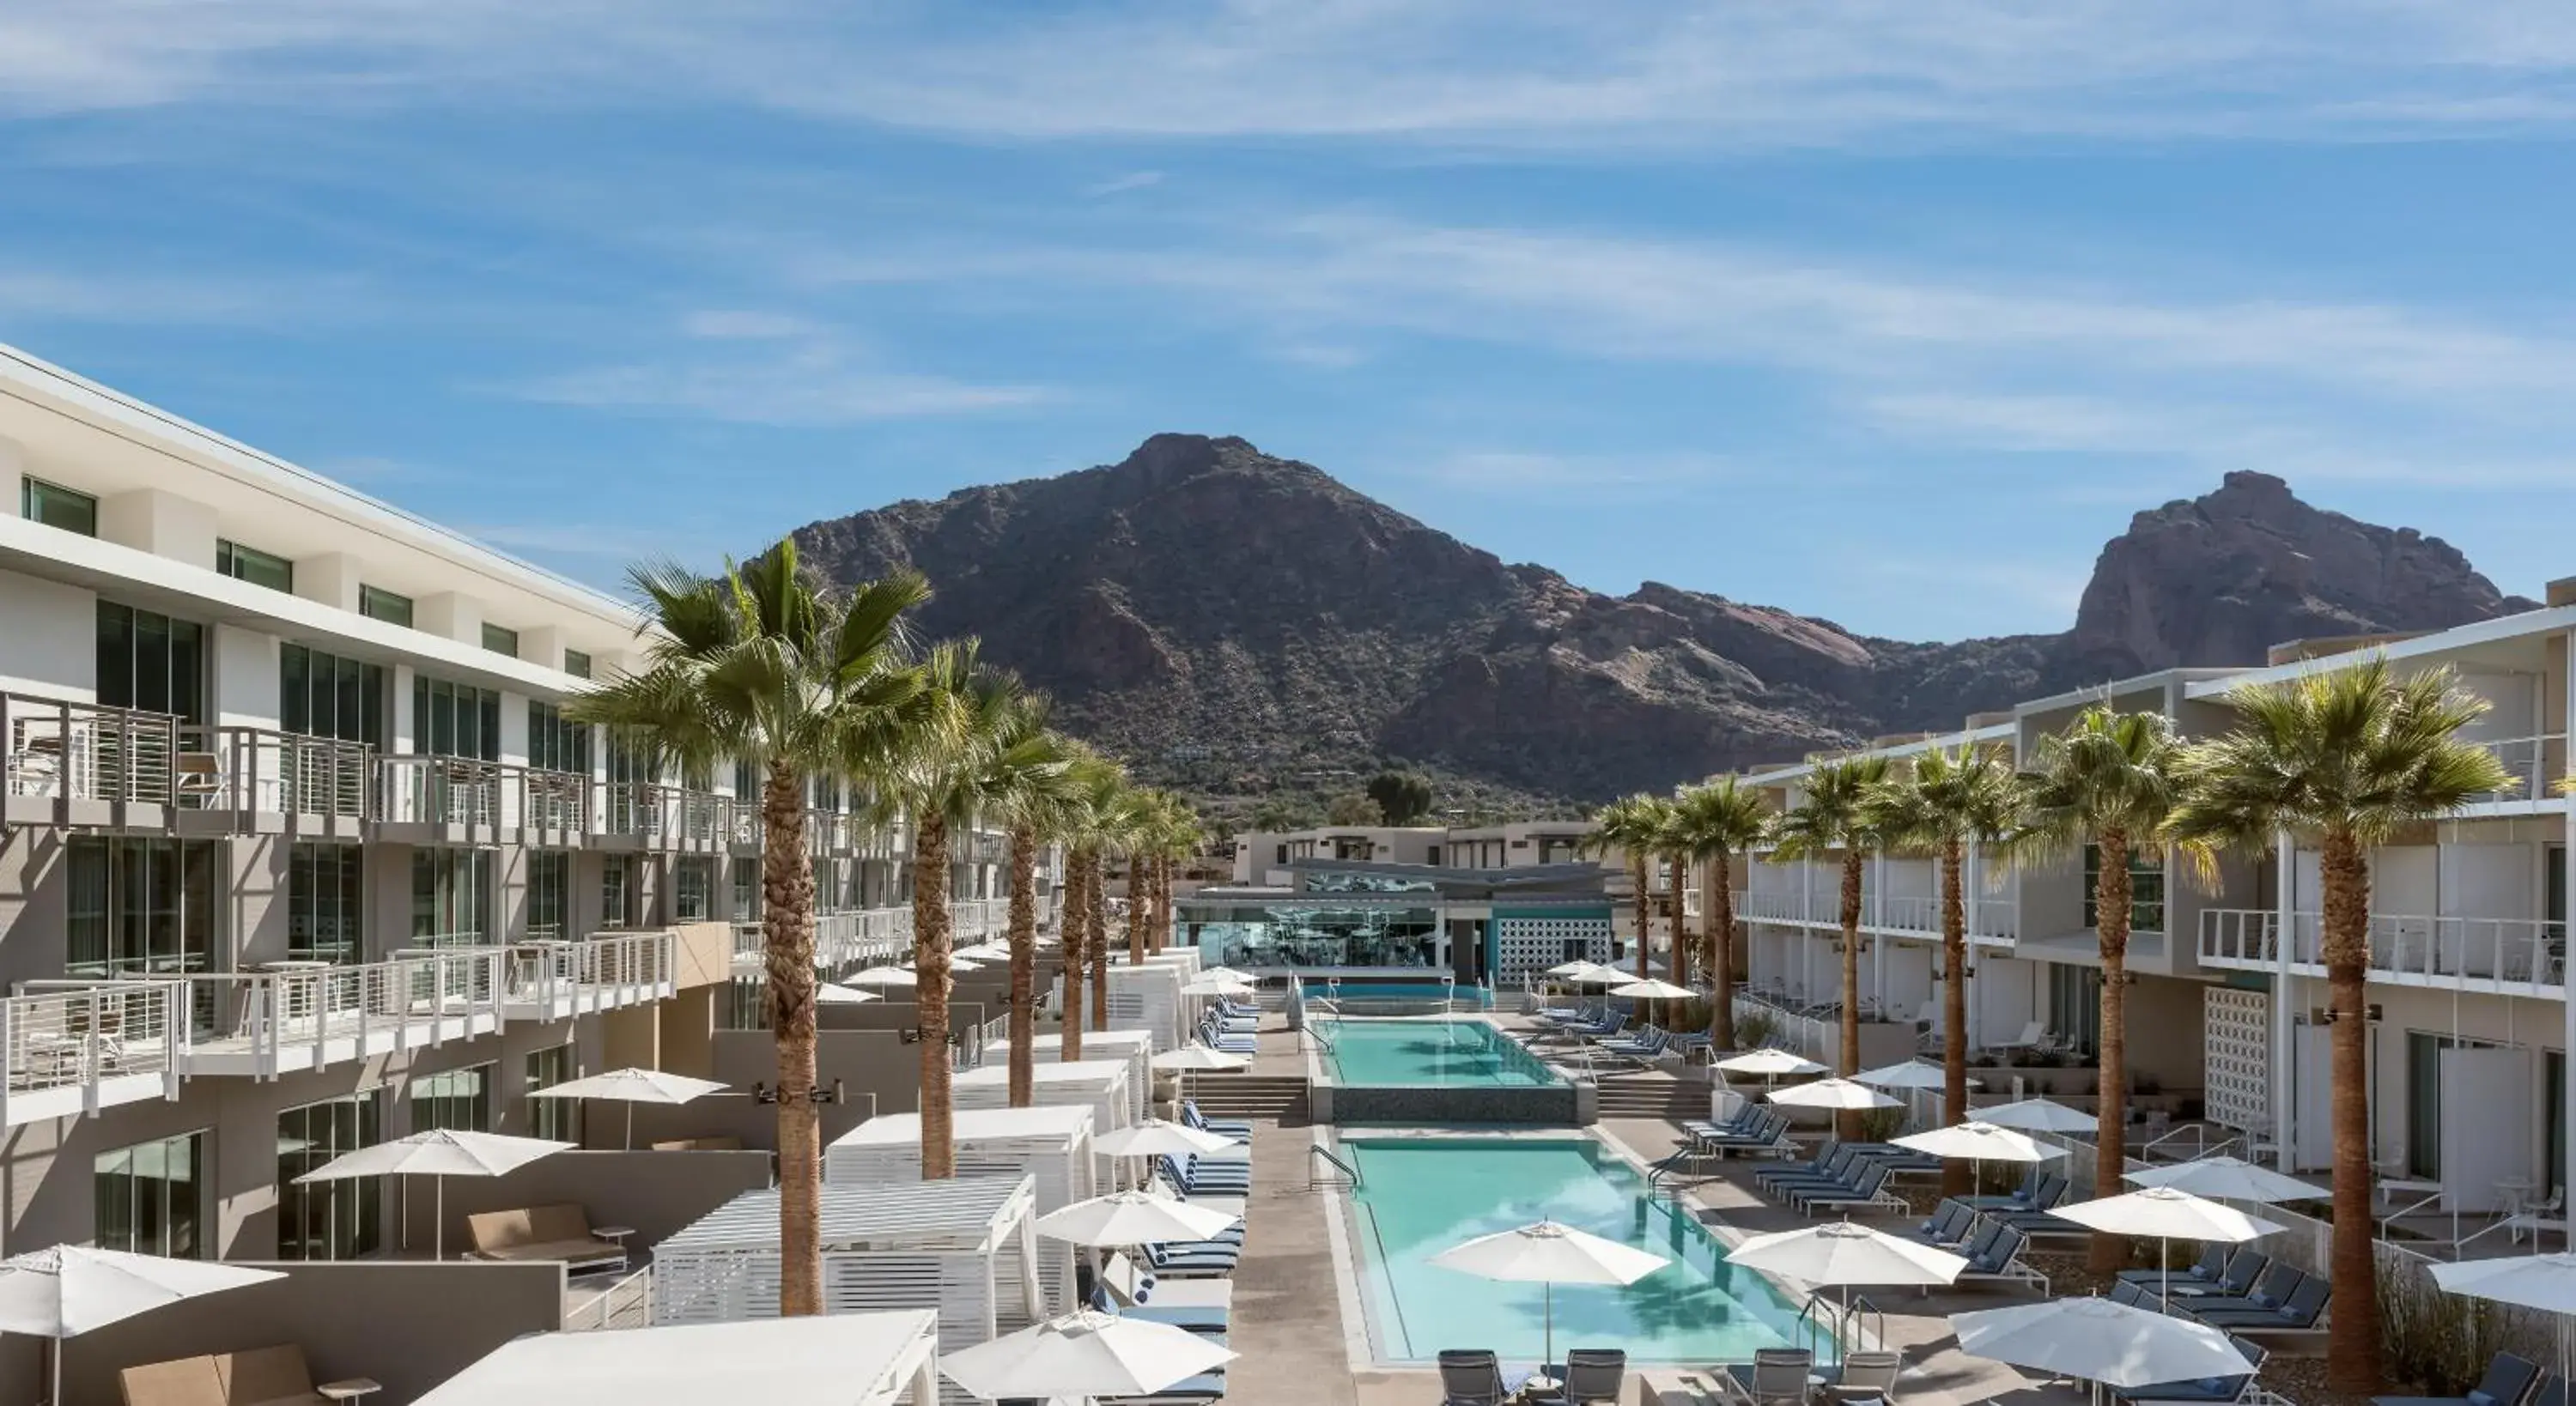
1294	1342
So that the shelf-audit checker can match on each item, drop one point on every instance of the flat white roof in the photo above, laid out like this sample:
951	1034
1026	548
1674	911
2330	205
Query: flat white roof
904	1129
1080	1071
839	1359
968	1213
1089	1038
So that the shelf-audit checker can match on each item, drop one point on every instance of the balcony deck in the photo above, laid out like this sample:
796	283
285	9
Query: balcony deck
2450	952
76	1047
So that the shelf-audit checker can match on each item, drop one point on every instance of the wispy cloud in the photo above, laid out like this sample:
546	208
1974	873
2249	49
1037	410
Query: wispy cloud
740	326
1523	471
616	543
1510	73
1119	185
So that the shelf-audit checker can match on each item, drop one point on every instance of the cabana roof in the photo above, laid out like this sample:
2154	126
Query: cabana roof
842	1359
977	1214
904	1129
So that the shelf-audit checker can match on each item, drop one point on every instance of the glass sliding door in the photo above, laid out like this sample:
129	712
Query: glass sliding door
451	897
549	894
138	907
328	1220
454	1100
556	1118
325	898
150	1199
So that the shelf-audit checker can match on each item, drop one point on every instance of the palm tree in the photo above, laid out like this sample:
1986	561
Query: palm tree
2350	757
1676	849
1834	816
1031	782
1632	825
1719	821
1070	826
762	664
1946	801
2108	780
1098	826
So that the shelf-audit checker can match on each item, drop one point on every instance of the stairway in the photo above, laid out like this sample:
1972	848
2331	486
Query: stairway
1263	1097
1645	1097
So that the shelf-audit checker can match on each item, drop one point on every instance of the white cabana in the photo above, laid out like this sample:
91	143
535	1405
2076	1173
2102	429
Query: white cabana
634	1086
1052	1144
839	1359
1136	1047
1100	1085
967	1248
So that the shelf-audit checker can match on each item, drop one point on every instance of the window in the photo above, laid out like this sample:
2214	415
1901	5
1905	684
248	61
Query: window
324	903
451	897
2146	889
2075	1005
746	890
384	605
456	1100
555	743
558	1119
500	641
549	893
141	907
454	719
151	663
576	663
57	506
746	779
257	567
617	891
150	1199
693	882
323	695
1431	855
328	1220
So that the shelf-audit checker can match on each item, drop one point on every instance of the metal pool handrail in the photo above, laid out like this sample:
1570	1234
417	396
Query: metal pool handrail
1315	1150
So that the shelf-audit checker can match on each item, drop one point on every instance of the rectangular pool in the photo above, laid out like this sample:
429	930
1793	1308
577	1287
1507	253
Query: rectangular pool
1420	1196
1428	1054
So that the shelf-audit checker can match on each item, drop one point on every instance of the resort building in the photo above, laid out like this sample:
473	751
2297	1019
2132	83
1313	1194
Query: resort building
2227	1018
299	851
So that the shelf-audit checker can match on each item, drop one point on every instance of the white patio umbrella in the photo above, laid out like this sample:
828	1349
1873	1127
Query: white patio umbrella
1839	1094
2099	1341
1912	1074
1549	1254
881	976
2038	1115
1189	1059
1083	1354
66	1290
829	994
2169	1215
985	952
1653	990
1840	1254
1132	1218
1769	1064
2228	1179
2544	1282
438	1155
634	1086
1215	986
1159	1137
1980	1143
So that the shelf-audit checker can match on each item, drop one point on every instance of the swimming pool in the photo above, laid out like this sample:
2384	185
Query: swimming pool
1420	1196
1355	991
1428	1054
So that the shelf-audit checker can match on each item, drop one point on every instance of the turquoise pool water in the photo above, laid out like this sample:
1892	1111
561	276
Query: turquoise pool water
1418	1198
1417	1054
1356	992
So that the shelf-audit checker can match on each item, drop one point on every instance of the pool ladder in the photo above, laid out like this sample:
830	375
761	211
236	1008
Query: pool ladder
1822	1314
1315	1179
1655	1173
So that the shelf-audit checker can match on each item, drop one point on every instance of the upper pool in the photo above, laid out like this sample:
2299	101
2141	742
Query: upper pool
1428	1054
1420	1196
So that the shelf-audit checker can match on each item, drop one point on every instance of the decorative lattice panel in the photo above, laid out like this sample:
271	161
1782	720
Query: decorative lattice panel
2236	1034
1526	945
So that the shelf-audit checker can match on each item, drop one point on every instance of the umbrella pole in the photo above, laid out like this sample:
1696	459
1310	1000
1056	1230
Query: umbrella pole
630	1126
54	1394
1547	1297
438	1219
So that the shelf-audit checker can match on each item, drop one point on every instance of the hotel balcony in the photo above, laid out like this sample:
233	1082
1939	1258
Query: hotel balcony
868	936
2504	956
610	971
79	764
1992	922
300	1016
76	1047
2536	764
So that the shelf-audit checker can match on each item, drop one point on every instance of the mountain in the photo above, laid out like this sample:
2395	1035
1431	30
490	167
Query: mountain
1239	624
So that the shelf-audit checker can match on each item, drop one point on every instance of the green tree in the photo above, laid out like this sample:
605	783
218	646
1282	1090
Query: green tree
759	663
1834	818
1277	815
1353	808
1403	797
1633	826
2350	757
1715	823
1029	784
1941	803
2110	780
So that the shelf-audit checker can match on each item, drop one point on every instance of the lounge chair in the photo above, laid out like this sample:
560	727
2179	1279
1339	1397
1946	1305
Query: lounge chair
1594	1374
1831	1164
1998	1261
2244	1267
2302	1312
1775	1374
558	1232
1471	1377
2269	1292
2507	1380
1239	1129
2206	1274
1861	1376
1952	1224
2030	1038
2023	1198
2205	1391
271	1376
1867	1193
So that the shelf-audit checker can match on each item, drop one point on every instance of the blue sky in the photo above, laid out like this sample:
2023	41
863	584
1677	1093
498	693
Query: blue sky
1890	313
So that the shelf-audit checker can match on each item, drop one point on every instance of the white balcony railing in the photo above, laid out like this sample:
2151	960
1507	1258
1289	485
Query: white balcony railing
1771	907
552	980
2535	762
2423	949
265	1023
65	751
73	1047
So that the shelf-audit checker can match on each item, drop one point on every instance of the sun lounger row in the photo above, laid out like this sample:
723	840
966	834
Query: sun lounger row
2509	1381
1791	1376
1992	1246
1756	1130
1475	1377
2282	1298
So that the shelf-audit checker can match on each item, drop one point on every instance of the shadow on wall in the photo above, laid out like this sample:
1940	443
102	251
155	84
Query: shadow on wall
408	1326
653	1194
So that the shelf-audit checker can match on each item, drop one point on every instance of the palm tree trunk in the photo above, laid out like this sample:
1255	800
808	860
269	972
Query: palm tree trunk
2352	1339
1721	956
2111	913
930	991
1095	941
1848	1122
1165	869
1645	911
1140	907
787	953
1024	964
1680	963
1954	1010
1072	912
